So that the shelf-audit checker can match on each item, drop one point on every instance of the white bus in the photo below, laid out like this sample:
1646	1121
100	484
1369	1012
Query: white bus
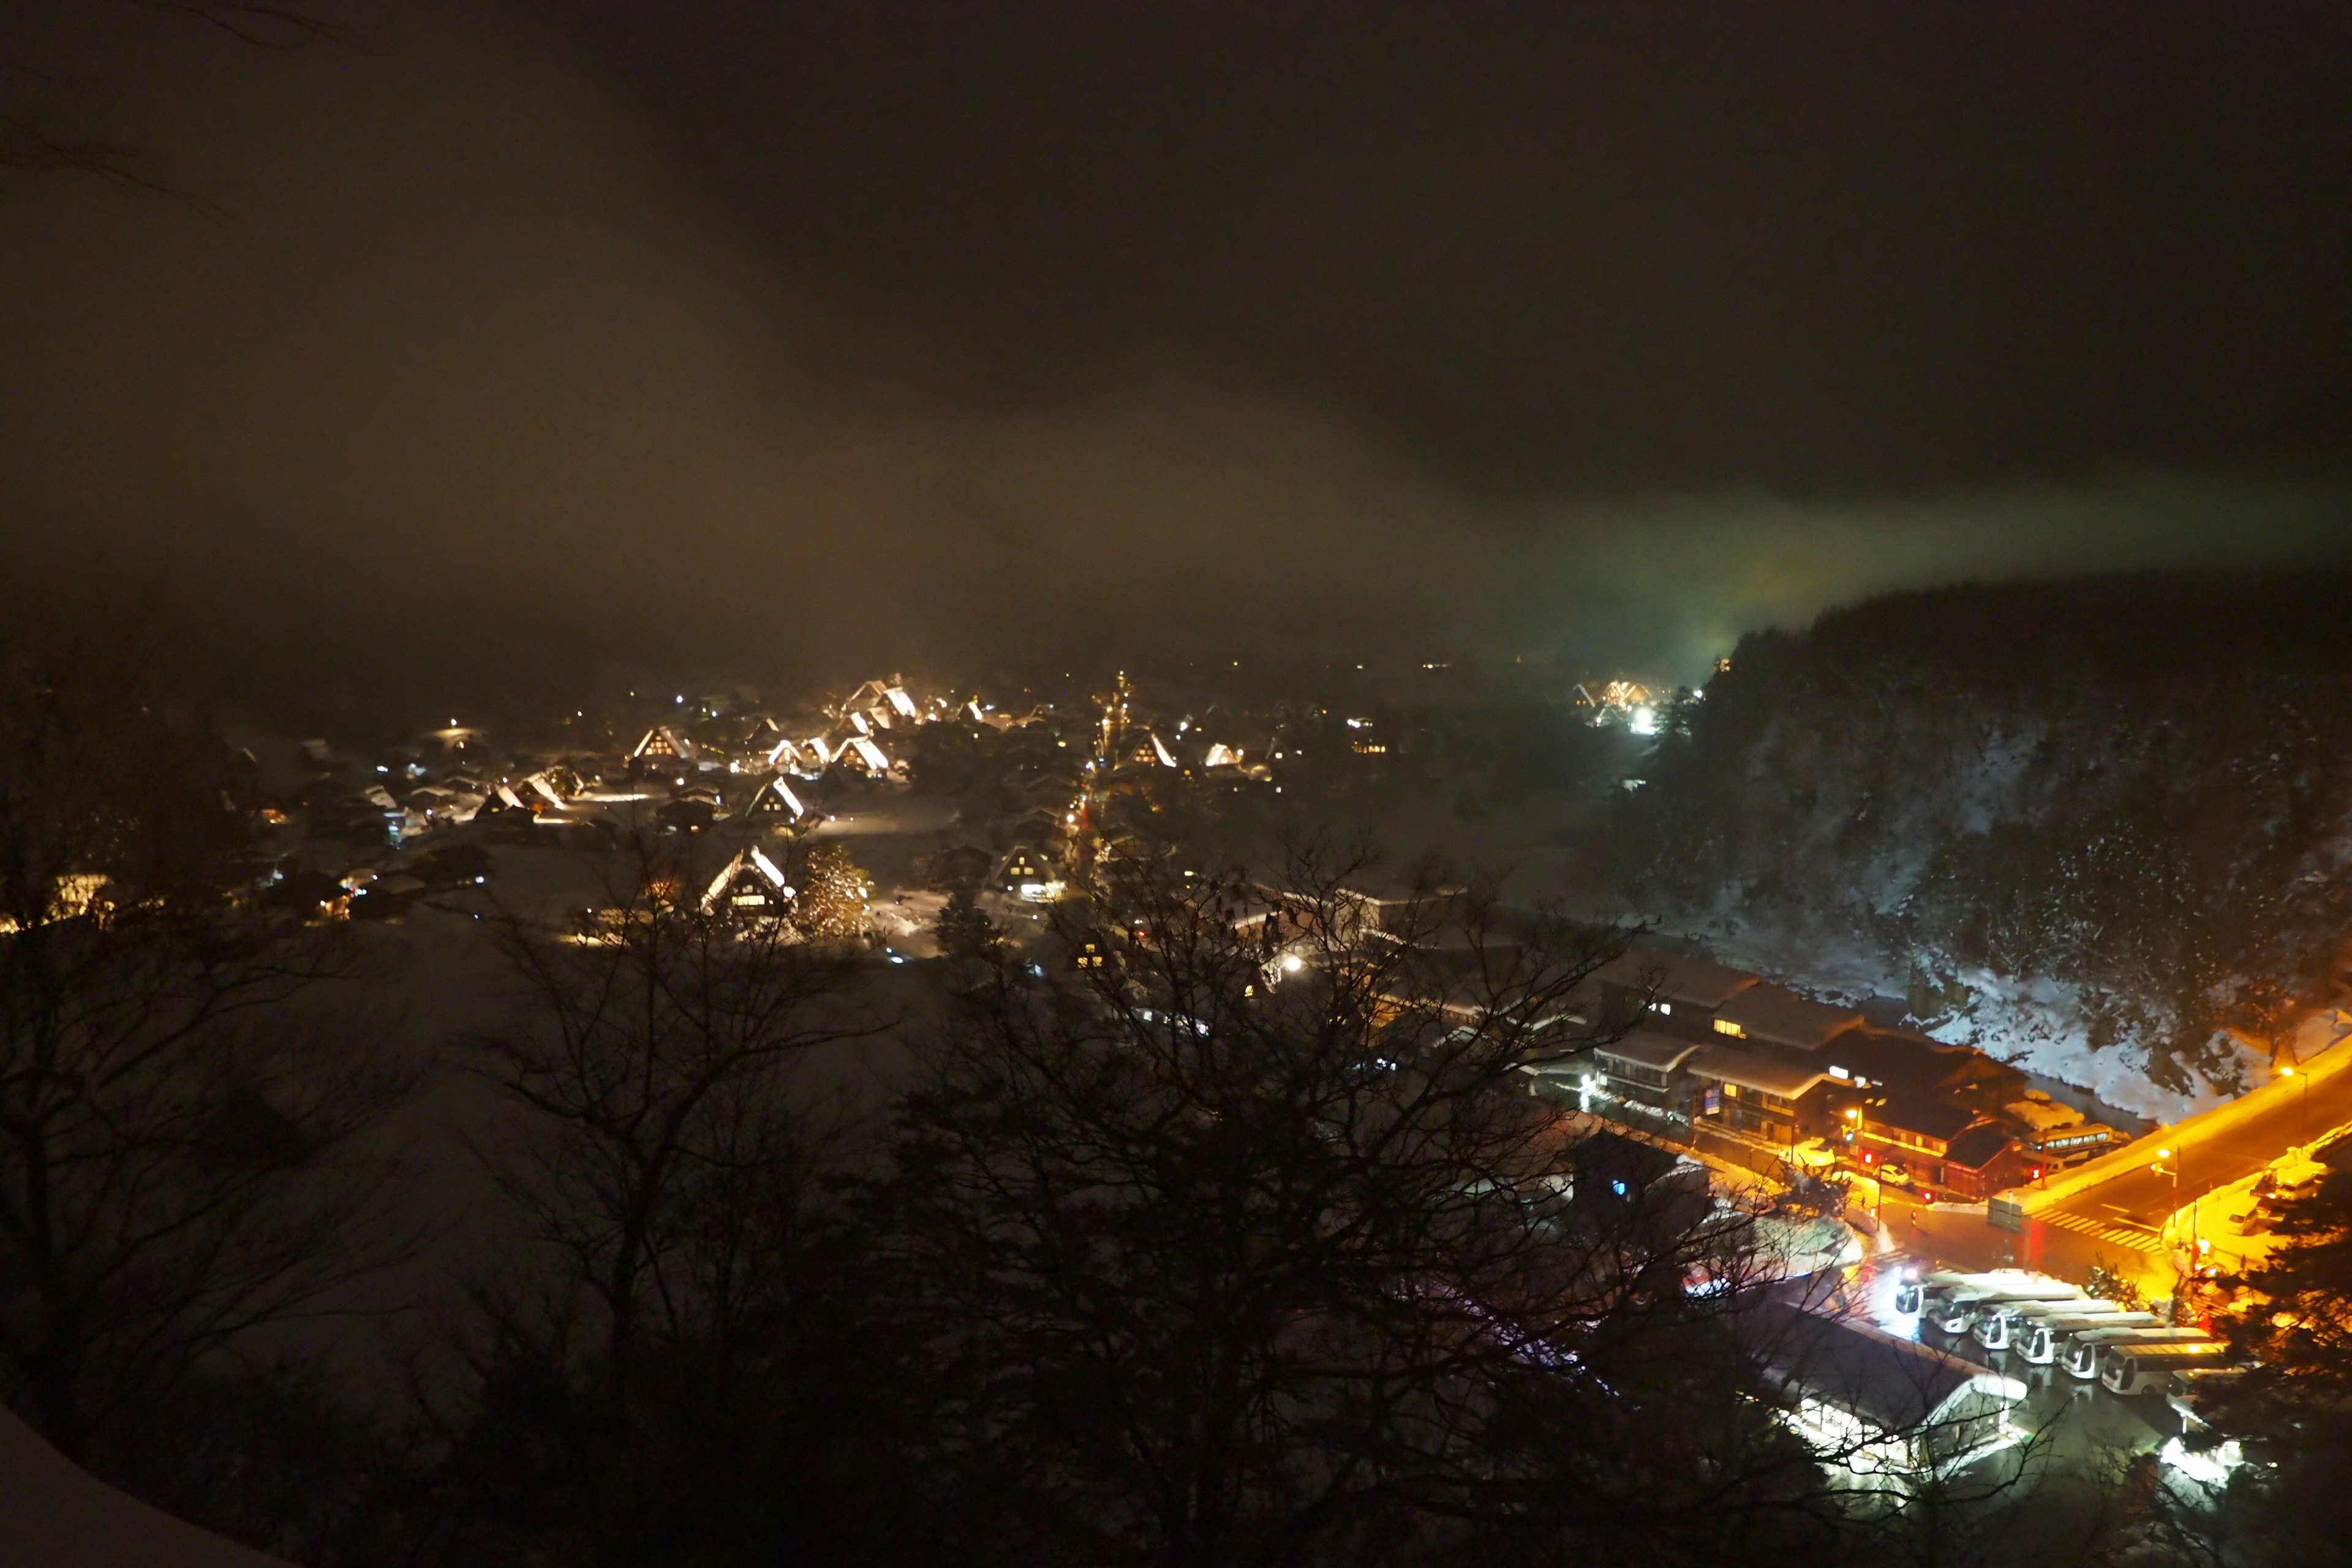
1963	1307
2138	1368
2083	1349
1996	1316
2038	1334
1915	1295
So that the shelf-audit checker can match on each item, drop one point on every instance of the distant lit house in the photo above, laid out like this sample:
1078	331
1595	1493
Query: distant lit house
773	804
1030	874
868	755
662	753
750	885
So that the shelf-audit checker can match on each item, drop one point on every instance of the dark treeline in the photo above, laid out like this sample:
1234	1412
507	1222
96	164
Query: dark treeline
2135	785
1169	1252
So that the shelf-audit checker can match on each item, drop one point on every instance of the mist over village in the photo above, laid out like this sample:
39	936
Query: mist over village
1233	788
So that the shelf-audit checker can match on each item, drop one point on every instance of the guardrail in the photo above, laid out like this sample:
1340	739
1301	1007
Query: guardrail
2326	1062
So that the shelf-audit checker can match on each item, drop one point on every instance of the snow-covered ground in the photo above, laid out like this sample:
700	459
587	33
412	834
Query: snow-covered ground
53	1515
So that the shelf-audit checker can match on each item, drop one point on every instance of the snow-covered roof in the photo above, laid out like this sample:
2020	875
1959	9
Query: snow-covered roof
1649	1049
661	741
1751	1069
1896	1384
1679	976
752	862
775	795
1777	1014
870	753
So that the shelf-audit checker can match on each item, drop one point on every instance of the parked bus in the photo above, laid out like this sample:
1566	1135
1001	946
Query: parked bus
2083	1350
1997	1316
2039	1335
2138	1368
1915	1295
2197	1390
1962	1307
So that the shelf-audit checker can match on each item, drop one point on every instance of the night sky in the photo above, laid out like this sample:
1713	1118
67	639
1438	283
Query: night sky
801	336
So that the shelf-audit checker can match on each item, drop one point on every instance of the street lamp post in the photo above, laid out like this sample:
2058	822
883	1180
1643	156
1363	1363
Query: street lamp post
2301	1106
1877	1180
2168	1164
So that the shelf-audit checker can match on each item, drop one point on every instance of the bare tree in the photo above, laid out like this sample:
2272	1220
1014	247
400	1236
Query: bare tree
648	1071
44	125
1251	1245
649	1350
181	1163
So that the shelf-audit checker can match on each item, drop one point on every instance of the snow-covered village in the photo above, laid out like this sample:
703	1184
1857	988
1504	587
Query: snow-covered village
1060	785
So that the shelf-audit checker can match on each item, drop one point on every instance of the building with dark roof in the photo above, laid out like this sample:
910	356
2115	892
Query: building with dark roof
1674	986
1774	1015
1882	1403
1983	1160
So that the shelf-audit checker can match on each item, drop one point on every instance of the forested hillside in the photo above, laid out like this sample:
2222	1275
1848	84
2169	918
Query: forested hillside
2096	824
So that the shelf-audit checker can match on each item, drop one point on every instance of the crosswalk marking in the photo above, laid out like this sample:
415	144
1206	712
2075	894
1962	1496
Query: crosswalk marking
2137	1241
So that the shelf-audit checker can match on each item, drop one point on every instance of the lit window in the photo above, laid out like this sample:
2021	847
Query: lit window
1726	1026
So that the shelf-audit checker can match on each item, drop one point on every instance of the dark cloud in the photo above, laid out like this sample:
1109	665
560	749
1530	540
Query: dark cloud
498	346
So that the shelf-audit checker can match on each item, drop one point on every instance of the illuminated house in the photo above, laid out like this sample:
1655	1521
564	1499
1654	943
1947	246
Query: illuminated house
501	800
751	888
1030	874
663	752
773	803
861	752
879	705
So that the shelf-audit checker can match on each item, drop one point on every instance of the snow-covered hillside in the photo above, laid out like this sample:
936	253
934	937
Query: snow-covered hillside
2102	829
